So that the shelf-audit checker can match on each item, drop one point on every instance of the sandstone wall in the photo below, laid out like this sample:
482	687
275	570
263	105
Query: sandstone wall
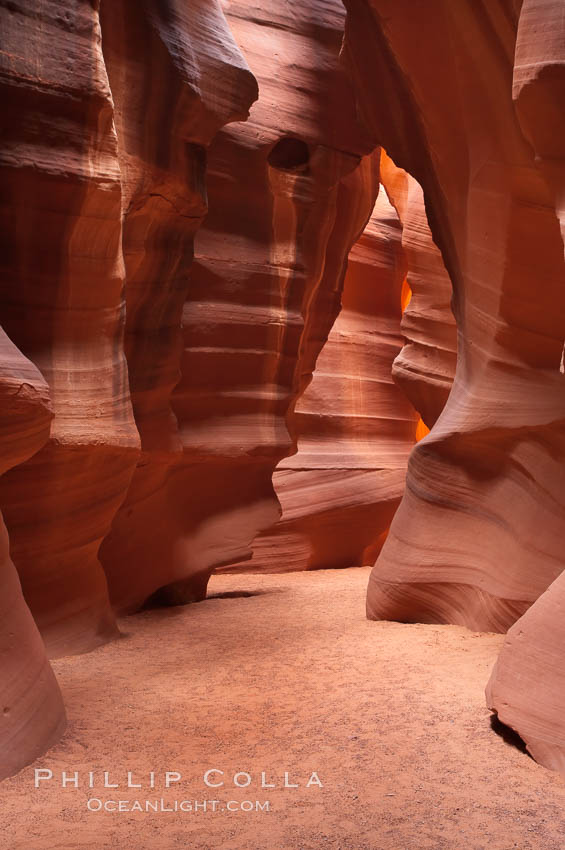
104	188
62	305
177	388
31	708
289	193
425	367
478	536
354	427
527	688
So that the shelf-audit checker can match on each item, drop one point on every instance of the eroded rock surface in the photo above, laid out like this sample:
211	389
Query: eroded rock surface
178	389
288	195
196	81
527	687
425	367
355	428
104	182
32	716
61	293
478	535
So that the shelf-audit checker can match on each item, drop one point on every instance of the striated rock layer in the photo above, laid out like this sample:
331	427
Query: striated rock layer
478	536
31	708
61	286
425	367
527	688
94	176
288	196
195	82
355	428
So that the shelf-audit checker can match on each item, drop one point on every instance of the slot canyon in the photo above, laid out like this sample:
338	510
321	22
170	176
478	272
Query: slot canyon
282	483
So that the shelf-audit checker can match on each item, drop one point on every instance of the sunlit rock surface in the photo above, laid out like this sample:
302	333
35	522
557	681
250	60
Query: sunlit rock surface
355	427
425	367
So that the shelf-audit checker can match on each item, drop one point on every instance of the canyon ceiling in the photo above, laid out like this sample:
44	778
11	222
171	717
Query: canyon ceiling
282	288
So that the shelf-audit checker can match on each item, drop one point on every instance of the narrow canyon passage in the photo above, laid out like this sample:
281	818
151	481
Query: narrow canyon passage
392	718
282	424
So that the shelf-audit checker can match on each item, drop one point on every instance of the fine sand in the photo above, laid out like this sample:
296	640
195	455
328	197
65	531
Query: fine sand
283	674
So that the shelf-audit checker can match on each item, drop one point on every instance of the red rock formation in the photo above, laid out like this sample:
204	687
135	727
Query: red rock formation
526	686
527	689
61	294
355	428
538	90
169	422
31	709
177	76
197	81
425	367
478	536
287	198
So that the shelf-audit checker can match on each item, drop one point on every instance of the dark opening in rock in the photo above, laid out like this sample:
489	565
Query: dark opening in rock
289	154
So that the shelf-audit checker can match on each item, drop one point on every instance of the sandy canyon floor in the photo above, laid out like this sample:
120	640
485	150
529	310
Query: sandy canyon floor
280	674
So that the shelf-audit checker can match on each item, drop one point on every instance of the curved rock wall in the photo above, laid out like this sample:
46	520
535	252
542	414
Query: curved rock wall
176	390
425	367
355	428
196	81
526	685
31	708
478	536
62	304
527	688
80	197
288	196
